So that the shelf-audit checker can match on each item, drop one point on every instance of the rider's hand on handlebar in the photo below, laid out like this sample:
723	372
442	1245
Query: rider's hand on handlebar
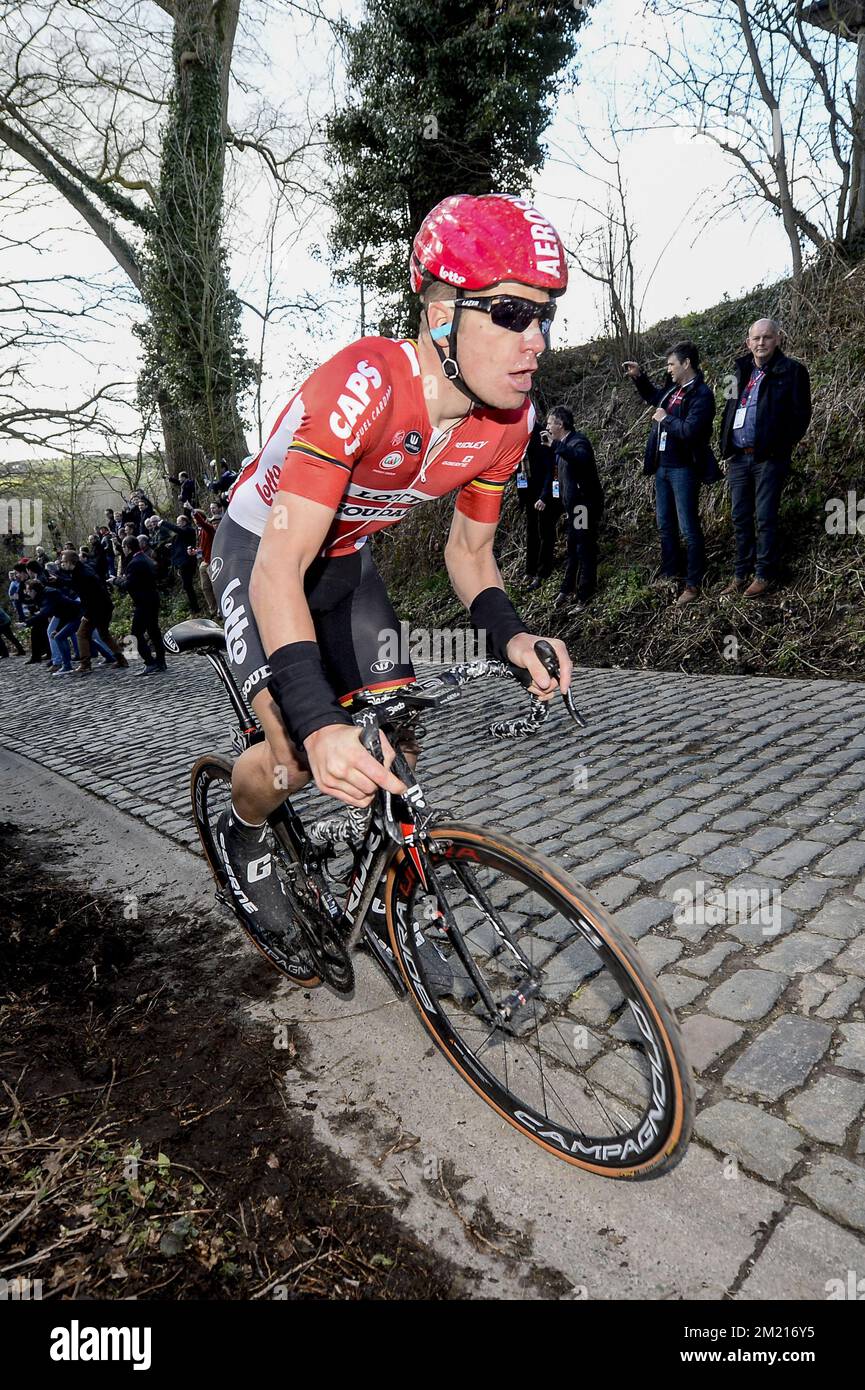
343	768
521	651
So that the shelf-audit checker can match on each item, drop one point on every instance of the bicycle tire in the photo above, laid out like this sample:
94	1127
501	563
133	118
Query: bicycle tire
213	769
653	1144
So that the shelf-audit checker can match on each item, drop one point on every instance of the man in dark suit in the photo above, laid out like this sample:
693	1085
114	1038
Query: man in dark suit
541	511
580	493
761	426
139	581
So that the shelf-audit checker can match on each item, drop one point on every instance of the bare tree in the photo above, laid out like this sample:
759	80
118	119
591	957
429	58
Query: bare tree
776	94
605	251
121	108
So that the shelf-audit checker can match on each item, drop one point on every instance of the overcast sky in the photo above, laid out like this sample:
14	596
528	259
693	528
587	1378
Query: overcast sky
672	181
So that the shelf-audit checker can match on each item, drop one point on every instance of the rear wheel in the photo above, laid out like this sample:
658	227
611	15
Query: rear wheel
211	796
549	1014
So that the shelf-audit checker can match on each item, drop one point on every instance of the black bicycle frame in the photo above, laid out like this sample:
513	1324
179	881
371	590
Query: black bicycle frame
371	857
381	841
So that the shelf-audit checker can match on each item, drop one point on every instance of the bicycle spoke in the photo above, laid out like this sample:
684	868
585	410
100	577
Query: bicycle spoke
510	938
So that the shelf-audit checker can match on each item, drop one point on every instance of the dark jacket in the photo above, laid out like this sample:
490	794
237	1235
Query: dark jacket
93	594
181	538
139	581
579	484
783	407
537	468
99	559
58	604
688	427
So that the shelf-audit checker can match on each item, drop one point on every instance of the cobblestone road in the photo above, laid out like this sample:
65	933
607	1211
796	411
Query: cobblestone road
680	788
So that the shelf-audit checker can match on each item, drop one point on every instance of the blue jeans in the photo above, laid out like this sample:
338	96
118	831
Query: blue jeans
755	494
677	509
59	642
102	647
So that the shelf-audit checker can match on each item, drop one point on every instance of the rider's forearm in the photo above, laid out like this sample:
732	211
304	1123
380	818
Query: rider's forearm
471	571
478	582
279	602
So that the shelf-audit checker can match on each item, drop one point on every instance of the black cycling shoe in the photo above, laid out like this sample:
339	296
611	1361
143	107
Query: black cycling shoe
260	896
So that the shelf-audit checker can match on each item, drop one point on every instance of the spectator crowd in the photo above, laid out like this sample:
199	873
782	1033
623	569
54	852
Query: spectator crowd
63	599
766	414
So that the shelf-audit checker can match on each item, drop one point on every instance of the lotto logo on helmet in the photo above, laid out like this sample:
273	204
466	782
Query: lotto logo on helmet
170	642
413	442
452	276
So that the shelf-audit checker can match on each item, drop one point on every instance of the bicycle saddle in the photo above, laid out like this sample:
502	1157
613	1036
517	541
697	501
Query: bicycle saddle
195	634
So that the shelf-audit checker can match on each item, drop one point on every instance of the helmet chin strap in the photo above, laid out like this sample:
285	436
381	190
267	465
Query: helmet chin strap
450	365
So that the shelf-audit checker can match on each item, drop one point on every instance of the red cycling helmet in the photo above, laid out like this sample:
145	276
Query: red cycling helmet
475	243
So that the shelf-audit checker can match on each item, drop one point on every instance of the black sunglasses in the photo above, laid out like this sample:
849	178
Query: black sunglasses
513	312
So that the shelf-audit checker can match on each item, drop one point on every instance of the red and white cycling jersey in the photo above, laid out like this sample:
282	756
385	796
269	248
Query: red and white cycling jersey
357	437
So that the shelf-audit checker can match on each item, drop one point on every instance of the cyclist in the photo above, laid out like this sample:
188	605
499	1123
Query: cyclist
382	426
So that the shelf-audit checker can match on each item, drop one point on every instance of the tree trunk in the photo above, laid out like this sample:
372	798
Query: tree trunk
194	332
856	223
182	452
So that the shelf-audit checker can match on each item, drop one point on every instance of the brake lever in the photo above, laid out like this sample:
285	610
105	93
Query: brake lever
550	662
370	737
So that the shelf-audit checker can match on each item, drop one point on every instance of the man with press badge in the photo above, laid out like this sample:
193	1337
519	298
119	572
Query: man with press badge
764	419
679	454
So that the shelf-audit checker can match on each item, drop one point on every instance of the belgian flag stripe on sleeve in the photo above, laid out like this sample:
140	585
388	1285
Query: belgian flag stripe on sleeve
298	446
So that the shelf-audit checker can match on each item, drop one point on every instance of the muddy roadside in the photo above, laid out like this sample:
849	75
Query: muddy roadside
148	1147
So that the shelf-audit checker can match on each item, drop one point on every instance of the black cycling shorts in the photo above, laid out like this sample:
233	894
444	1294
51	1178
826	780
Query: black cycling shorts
356	627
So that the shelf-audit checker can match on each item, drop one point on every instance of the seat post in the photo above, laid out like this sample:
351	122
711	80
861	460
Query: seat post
245	717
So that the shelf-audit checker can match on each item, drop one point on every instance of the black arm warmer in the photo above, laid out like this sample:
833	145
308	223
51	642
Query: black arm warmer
493	613
300	687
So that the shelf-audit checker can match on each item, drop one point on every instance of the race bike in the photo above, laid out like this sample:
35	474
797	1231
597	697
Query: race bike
523	980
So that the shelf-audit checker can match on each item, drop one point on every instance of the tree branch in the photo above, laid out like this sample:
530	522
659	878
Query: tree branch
107	233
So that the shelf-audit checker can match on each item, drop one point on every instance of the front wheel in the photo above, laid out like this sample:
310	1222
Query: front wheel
541	1002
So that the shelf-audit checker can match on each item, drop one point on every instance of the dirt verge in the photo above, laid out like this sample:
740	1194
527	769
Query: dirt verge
147	1147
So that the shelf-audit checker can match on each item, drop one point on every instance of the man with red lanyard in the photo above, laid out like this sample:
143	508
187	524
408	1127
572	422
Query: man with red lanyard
384	425
678	453
762	424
